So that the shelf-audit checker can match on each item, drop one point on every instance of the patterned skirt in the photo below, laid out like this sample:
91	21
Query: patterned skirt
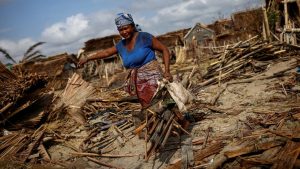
142	82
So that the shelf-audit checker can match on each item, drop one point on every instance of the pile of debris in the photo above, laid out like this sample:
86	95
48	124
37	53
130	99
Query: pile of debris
267	139
252	53
22	96
272	139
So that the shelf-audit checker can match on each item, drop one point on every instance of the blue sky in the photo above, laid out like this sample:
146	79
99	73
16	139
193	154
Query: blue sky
66	24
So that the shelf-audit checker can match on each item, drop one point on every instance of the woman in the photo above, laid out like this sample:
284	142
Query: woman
137	50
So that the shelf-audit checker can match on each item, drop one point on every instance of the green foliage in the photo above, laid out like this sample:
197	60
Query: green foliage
273	17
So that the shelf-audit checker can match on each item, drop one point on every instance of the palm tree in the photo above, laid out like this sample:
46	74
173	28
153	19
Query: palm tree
30	54
7	55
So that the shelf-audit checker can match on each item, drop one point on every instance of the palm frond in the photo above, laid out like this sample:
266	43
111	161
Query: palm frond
31	48
7	55
36	57
31	55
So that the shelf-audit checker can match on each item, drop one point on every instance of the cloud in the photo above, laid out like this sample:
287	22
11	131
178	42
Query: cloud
66	32
102	24
70	35
178	14
16	49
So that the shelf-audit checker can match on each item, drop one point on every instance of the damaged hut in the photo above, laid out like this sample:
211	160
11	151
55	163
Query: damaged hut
57	68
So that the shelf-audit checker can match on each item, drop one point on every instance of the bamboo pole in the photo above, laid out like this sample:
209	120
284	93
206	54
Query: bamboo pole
266	25
146	135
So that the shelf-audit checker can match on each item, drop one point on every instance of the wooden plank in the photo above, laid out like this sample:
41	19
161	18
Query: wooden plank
287	157
253	148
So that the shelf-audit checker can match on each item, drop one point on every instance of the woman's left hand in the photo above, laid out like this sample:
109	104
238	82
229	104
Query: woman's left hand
168	76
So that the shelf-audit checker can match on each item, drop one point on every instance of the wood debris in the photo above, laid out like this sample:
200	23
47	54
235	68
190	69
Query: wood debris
42	124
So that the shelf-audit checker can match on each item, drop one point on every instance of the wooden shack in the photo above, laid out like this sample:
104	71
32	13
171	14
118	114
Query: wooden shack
199	34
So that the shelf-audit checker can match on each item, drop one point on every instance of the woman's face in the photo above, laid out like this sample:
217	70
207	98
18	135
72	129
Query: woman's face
126	31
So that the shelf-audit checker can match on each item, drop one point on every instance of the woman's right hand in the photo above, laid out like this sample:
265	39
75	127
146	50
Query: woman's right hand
82	61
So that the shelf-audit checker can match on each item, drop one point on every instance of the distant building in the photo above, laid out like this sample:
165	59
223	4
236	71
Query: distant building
199	34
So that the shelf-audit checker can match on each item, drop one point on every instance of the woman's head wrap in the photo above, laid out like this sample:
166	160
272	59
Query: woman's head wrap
138	28
123	19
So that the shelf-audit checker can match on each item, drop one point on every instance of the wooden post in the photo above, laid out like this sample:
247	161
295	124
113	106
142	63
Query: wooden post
286	36
264	32
266	25
286	15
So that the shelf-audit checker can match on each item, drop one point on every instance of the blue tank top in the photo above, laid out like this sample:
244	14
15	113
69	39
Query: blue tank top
141	54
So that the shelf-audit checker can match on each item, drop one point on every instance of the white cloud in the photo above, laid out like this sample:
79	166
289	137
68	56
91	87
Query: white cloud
177	14
16	49
66	32
102	24
70	35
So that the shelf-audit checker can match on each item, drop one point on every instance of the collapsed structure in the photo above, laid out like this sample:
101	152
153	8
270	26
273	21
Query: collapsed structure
245	113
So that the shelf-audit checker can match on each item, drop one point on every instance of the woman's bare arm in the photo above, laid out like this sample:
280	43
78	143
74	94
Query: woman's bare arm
99	55
157	45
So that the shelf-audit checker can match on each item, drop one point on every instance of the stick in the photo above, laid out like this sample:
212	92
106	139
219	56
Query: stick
214	100
206	137
167	135
104	155
146	135
102	163
221	64
179	127
284	89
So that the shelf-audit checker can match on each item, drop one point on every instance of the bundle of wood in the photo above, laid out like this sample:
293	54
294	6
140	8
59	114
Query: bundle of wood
241	55
20	146
107	138
12	144
75	95
19	94
159	127
108	121
13	90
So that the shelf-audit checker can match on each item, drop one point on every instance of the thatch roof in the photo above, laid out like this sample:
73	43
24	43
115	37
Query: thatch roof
101	43
173	38
223	26
250	20
51	66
